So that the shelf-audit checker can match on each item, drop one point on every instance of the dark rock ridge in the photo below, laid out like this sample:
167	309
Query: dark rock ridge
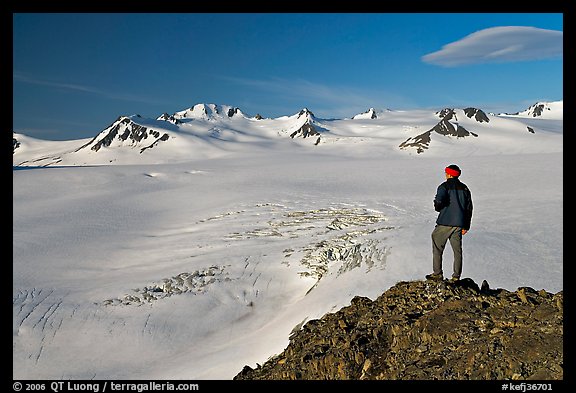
537	110
169	118
306	113
446	114
445	127
15	144
427	330
478	114
232	111
307	130
124	129
370	113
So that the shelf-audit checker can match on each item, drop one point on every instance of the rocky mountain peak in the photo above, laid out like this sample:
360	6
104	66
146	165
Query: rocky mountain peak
308	126
125	131
537	110
446	113
425	330
447	126
549	110
369	114
207	112
198	111
305	113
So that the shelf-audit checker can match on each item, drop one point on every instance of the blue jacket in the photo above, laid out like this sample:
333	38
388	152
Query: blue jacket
454	202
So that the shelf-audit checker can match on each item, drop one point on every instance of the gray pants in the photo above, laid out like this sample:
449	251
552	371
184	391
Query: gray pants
440	235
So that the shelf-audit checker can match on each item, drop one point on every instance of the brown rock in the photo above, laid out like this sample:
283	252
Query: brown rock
426	330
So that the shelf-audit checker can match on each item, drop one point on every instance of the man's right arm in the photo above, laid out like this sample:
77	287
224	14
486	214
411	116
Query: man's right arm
441	198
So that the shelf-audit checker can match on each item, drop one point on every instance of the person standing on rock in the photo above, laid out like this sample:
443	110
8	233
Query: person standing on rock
453	201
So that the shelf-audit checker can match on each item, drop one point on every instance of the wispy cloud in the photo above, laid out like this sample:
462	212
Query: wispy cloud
300	88
338	100
500	44
20	77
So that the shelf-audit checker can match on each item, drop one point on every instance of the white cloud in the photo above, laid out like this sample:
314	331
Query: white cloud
498	45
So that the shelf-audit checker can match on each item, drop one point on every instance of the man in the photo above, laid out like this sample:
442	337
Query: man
453	201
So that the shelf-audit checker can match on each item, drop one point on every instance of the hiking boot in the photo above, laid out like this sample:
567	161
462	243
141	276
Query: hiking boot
454	279
436	277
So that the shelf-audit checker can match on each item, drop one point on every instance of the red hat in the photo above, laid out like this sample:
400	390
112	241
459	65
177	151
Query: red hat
453	170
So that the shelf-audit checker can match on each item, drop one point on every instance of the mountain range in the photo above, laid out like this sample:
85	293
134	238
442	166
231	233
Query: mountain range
210	130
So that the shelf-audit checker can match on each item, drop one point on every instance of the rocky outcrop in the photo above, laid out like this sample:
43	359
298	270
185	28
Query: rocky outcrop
232	111
169	118
429	330
478	115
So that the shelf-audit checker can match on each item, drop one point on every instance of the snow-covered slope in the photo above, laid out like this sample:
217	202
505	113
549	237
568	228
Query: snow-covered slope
214	244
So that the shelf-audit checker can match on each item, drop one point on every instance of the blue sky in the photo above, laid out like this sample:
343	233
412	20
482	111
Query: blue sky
74	74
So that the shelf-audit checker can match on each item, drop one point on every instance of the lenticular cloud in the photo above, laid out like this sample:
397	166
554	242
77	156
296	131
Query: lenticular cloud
499	44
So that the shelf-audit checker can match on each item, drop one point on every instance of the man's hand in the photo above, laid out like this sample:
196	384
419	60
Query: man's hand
464	231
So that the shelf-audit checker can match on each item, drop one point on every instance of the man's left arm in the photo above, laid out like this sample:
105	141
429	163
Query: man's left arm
467	212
